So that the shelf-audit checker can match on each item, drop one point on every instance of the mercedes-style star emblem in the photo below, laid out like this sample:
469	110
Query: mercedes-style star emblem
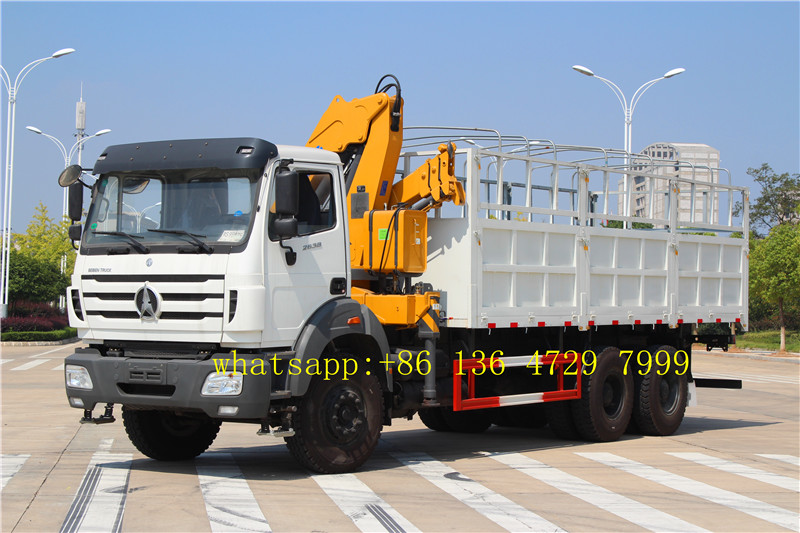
148	303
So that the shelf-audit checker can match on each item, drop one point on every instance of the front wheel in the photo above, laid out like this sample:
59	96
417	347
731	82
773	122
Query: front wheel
604	409
165	436
337	424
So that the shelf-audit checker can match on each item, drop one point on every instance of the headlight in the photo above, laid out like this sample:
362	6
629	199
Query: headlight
227	384
77	377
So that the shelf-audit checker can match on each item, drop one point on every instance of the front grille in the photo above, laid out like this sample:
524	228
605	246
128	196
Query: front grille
145	375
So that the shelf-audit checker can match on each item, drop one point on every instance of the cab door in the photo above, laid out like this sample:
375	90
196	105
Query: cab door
321	271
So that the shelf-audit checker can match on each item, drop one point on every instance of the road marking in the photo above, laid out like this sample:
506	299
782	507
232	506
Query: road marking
5	361
732	500
791	459
763	476
622	506
10	465
31	364
495	507
99	503
230	503
59	367
47	352
367	510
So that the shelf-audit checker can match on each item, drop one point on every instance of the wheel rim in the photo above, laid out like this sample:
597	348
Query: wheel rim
613	394
668	392
345	415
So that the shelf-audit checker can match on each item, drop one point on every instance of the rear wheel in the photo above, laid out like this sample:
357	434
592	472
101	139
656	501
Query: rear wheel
604	409
338	423
660	401
165	436
445	419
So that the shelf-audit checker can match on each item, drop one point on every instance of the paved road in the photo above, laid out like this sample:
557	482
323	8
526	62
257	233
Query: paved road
733	466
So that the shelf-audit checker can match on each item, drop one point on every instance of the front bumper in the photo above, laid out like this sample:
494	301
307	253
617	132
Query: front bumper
170	384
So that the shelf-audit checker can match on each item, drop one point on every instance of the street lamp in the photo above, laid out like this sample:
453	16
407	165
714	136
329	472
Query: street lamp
13	90
628	109
67	155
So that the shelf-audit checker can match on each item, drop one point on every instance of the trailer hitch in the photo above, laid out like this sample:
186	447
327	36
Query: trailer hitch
106	418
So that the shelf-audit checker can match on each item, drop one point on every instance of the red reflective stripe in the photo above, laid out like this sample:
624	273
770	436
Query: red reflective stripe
680	321
637	321
567	324
541	324
615	322
658	321
738	320
719	320
591	322
514	324
492	325
699	320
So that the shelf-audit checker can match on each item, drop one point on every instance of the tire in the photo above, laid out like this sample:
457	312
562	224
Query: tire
559	418
660	401
445	419
165	436
337	424
604	409
433	419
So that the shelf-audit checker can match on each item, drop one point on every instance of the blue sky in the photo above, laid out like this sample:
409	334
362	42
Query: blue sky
153	70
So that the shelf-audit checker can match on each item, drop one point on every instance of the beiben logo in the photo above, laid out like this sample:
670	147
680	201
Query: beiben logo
148	303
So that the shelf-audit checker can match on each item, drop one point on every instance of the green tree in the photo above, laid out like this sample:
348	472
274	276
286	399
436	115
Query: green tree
775	270
46	240
34	279
779	201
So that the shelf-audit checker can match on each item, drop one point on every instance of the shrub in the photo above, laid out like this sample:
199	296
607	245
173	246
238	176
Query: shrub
39	336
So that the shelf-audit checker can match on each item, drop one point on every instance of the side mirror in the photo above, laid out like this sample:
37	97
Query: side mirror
287	193
70	175
285	228
75	232
75	203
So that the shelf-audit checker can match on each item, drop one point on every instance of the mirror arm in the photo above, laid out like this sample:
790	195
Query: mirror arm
291	255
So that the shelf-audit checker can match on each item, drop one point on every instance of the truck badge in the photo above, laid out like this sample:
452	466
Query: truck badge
148	303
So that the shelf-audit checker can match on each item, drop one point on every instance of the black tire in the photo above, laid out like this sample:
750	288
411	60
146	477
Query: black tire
604	409
660	401
338	423
165	436
559	418
445	419
433	419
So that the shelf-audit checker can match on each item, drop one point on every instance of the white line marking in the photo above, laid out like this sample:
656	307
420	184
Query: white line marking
59	367
763	476
732	500
31	364
5	361
10	465
49	351
230	503
105	445
791	459
497	508
368	511
99	503
622	506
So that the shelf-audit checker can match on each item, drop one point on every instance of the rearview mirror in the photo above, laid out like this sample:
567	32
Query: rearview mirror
287	193
70	175
75	204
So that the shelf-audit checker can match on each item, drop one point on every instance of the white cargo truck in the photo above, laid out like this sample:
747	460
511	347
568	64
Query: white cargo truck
321	291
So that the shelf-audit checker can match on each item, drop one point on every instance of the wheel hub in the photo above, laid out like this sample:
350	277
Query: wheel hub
345	415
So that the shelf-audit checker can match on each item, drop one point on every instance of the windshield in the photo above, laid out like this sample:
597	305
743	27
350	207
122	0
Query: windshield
199	208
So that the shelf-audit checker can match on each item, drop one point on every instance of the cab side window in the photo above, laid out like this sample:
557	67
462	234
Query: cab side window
316	203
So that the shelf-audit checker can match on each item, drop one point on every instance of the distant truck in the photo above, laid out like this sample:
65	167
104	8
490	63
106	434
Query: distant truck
321	291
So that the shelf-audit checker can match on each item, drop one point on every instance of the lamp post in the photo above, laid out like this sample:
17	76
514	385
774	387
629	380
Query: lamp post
627	109
13	90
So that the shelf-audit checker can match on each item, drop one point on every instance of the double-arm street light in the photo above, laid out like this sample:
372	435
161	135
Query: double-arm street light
13	90
627	108
68	154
